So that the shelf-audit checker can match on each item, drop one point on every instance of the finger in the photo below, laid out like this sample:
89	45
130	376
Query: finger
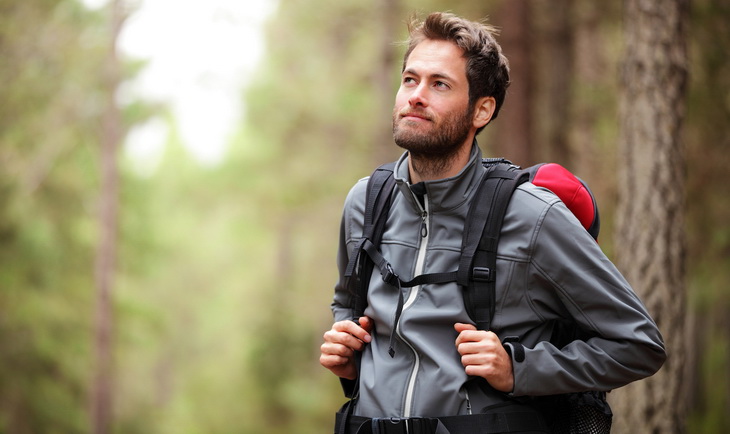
349	333
465	348
343	338
477	371
339	350
467	336
471	336
331	361
354	329
463	328
482	360
471	342
475	347
478	359
460	327
366	323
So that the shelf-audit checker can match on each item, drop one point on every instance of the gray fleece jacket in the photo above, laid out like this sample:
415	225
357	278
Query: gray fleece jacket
548	269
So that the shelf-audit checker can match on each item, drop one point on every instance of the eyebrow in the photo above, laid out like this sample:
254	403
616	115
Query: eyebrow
435	75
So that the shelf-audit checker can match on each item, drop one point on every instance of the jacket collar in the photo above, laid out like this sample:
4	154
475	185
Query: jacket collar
443	194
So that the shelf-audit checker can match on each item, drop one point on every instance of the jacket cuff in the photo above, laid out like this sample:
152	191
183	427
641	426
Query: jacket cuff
517	353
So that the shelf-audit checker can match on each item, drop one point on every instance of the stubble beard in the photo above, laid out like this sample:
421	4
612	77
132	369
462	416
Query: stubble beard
432	152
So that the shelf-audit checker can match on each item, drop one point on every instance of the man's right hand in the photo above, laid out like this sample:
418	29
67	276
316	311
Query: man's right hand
340	344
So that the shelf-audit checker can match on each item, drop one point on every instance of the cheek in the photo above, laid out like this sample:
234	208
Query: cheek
401	98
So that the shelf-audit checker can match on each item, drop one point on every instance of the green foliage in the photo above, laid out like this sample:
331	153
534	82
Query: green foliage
47	183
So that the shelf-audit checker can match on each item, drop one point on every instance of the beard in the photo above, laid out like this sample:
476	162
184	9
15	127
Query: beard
433	150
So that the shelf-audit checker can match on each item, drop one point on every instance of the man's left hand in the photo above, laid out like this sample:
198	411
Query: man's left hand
483	355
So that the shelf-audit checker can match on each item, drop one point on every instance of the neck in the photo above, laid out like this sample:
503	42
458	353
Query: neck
423	167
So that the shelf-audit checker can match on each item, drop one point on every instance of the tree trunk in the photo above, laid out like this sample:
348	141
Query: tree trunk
514	134
111	136
650	241
591	71
389	12
559	75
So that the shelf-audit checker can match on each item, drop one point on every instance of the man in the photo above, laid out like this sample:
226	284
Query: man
549	269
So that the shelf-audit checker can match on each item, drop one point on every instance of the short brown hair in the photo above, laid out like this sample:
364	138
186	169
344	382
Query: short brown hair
487	69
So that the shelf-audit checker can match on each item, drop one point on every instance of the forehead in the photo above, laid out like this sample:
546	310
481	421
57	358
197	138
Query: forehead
437	57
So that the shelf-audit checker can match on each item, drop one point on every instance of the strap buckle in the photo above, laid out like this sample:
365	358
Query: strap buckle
390	277
483	274
395	425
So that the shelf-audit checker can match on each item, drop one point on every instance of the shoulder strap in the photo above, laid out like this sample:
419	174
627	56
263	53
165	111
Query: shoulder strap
481	236
379	193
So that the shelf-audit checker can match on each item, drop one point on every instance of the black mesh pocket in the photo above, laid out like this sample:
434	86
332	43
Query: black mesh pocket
583	413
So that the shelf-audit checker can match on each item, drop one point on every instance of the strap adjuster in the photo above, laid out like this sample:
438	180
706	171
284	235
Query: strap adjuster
483	274
389	276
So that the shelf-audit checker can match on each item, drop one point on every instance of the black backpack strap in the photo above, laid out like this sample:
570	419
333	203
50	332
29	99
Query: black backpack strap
379	193
478	262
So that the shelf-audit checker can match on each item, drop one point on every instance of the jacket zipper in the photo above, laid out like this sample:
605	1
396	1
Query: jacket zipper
420	262
468	402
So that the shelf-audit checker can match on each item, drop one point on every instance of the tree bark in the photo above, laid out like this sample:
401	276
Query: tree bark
111	136
559	62
514	134
650	240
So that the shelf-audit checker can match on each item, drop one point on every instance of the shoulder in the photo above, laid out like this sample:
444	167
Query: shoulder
532	210
354	210
531	200
540	211
355	200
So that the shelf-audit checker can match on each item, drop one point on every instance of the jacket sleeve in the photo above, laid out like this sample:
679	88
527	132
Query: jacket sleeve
342	300
626	344
350	232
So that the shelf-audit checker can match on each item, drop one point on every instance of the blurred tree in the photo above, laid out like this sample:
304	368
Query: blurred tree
650	238
48	115
51	106
386	68
112	133
514	130
708	214
559	76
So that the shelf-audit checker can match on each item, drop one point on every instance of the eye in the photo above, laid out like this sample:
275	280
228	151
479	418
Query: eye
441	85
409	81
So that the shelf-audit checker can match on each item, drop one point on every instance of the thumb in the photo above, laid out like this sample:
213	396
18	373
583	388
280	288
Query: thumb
460	327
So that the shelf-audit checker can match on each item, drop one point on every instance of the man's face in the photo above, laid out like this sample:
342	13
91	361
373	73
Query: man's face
432	117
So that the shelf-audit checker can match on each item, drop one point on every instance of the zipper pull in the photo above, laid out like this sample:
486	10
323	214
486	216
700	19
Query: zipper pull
424	227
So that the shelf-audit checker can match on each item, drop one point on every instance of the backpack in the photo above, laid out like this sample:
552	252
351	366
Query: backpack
585	412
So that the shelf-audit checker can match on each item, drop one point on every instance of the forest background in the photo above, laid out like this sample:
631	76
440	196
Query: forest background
208	311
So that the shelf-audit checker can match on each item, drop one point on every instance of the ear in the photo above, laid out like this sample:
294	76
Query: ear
484	110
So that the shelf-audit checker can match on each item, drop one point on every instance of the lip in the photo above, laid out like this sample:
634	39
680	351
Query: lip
414	116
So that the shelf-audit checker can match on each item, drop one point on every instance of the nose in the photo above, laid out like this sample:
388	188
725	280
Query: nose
418	96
